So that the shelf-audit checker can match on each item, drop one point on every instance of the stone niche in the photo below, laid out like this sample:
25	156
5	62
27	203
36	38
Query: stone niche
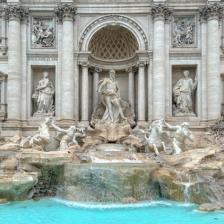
179	103
121	79
37	75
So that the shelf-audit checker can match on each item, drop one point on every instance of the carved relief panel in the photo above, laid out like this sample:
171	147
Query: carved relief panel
43	32
184	31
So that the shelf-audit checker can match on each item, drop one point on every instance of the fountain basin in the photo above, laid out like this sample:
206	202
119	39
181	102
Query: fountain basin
57	212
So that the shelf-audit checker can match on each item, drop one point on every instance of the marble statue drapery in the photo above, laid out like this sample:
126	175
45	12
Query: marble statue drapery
110	96
182	92
44	96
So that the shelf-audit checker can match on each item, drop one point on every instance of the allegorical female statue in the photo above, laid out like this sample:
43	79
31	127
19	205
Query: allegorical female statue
44	96
182	92
110	97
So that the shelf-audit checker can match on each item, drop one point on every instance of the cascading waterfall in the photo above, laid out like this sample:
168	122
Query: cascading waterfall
185	180
187	192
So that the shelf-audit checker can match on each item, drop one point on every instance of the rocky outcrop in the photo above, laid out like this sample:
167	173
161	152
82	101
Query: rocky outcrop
22	175
165	180
17	186
3	200
12	144
194	176
209	207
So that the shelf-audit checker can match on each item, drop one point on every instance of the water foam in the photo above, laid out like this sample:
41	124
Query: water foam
88	205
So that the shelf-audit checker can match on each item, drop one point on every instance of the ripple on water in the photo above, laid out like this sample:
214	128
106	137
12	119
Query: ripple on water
112	205
58	211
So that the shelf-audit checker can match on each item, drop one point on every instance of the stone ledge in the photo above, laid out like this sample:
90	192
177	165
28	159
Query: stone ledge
17	186
46	158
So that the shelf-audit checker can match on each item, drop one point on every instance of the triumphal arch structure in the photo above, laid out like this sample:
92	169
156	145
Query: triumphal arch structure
167	56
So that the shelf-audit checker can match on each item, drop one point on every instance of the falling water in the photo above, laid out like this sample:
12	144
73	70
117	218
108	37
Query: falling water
187	193
185	180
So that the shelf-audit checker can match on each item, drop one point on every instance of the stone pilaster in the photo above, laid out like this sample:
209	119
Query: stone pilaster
85	92
213	12
159	13
14	14
65	15
141	91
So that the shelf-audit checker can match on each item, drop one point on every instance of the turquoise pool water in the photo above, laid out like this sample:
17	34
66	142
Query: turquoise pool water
53	211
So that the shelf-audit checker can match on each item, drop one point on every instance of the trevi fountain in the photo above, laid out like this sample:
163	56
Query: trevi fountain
111	111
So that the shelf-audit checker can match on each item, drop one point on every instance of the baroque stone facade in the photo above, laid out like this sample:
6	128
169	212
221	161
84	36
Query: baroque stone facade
151	46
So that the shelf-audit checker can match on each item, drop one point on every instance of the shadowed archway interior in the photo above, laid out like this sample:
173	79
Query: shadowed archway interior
113	43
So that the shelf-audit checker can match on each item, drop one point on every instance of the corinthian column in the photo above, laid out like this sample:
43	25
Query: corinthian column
14	15
131	90
159	12
204	106
66	14
213	13
95	86
25	85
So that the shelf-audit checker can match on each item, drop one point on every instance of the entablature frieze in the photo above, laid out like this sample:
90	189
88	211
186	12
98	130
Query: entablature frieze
85	58
190	50
42	57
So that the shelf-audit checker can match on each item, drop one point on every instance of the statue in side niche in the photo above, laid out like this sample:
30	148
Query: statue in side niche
70	136
44	96
182	92
41	139
181	133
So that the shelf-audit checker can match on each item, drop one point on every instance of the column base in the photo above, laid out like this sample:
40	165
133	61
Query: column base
84	123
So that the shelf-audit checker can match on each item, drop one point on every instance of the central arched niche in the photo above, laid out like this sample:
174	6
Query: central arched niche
113	43
113	47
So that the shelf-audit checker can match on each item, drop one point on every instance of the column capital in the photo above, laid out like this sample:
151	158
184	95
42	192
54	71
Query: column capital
84	63
16	12
160	11
211	11
97	70
142	63
132	69
129	69
65	12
